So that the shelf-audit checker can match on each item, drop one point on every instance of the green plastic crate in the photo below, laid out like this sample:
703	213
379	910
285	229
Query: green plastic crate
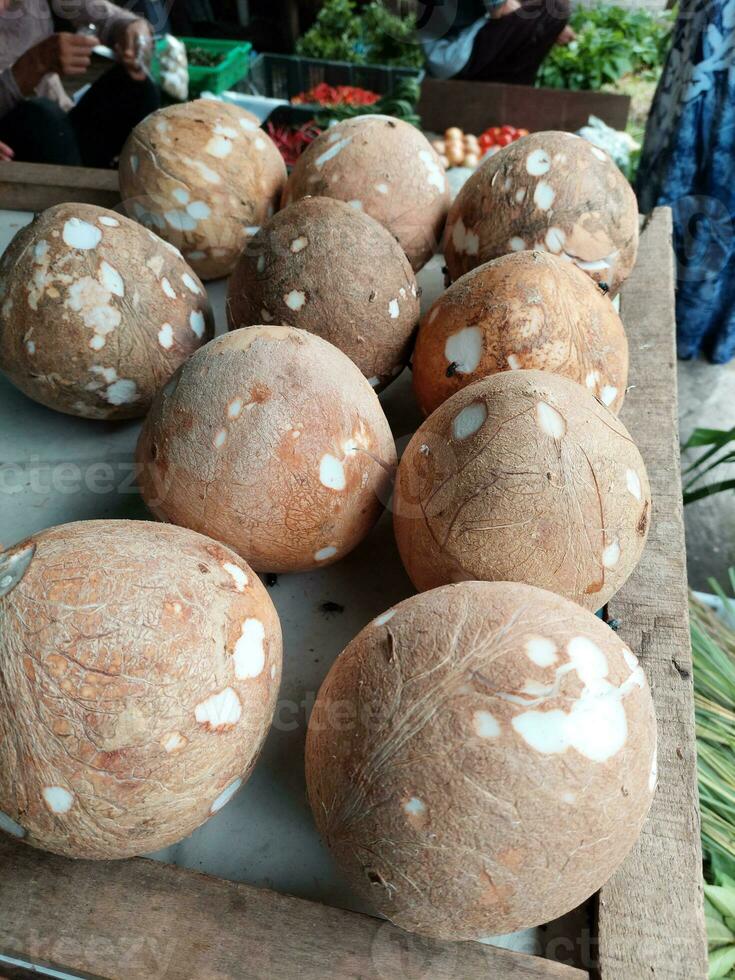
232	69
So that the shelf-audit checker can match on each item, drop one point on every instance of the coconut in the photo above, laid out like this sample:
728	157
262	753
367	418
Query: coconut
96	313
524	310
481	758
272	441
204	176
139	670
385	167
523	477
324	267
551	192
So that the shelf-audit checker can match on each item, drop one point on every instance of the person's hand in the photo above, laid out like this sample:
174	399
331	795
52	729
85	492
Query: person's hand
566	36
509	7
133	44
66	54
6	154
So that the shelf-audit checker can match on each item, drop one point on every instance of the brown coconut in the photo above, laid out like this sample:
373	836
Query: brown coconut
139	670
96	312
325	267
481	758
524	310
523	477
385	167
204	176
552	192
272	441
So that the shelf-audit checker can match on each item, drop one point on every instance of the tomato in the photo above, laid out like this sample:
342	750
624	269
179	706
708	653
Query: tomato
509	130
504	139
485	141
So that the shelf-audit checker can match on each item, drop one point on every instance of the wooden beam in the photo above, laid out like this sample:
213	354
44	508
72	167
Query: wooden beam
37	186
140	919
650	915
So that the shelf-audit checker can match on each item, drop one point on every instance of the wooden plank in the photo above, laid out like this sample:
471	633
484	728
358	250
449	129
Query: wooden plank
650	915
139	919
36	186
473	106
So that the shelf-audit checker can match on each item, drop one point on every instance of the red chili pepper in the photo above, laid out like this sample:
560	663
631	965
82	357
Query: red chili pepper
324	94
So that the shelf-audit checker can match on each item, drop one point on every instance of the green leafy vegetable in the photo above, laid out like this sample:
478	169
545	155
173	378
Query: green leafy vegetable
720	452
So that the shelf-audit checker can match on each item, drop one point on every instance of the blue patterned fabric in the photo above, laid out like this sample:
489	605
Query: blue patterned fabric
688	163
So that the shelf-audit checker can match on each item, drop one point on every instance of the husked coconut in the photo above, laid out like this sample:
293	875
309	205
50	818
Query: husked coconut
523	477
273	442
204	176
524	310
325	267
385	167
481	758
96	313
139	670
552	192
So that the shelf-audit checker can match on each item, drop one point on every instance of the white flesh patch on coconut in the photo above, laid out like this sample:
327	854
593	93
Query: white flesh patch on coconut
329	552
608	395
297	245
394	310
109	222
543	196
122	392
592	379
211	176
91	299
166	336
357	205
10	826
596	265
414	807
220	439
541	651
332	472
111	279
517	245
597	152
469	421
464	349
514	362
611	554
190	284
653	775
295	300
260	266
555	239
218	146
225	796
155	264
332	152
485	725
467	242
521	195
251	230
58	799
538	163
259	144
180	220
174	742
435	172
228	131
196	255
199	210
219	711
596	724
249	653
80	234
550	421
30	347
383	618
382	188
168	288
237	574
248	124
196	322
633	483
180	195
234	408
374	382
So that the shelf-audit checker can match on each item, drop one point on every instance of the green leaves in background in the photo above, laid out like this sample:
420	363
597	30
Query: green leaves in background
720	451
611	42
372	35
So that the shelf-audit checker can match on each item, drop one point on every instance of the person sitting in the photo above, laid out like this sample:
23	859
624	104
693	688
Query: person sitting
39	123
492	40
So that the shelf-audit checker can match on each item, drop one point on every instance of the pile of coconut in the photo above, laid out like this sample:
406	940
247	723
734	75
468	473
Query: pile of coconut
493	713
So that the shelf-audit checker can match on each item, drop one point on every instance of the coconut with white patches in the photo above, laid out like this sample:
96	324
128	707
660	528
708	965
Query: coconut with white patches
204	181
336	272
92	326
443	764
386	166
548	191
139	671
523	476
219	451
528	310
